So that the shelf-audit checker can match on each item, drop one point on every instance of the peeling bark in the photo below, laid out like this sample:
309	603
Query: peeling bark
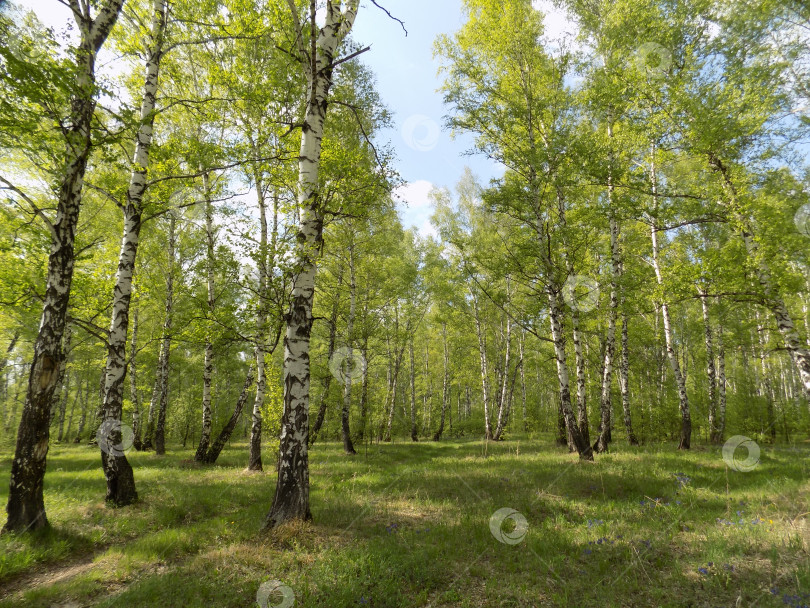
291	499
26	506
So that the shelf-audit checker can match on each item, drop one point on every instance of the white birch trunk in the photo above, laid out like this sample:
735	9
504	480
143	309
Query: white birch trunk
680	382
291	500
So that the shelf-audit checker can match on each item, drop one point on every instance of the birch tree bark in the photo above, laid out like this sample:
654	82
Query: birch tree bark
348	448
330	351
771	296
624	383
165	346
721	386
134	393
117	470
255	452
226	432
503	402
26	506
291	500
208	364
711	375
445	384
680	382
414	434
482	350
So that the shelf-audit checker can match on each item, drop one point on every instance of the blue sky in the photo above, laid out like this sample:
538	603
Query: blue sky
407	80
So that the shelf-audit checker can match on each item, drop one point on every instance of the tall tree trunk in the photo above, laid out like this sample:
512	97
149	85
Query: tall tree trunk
711	374
523	377
291	500
414	434
165	347
26	506
766	386
772	299
680	382
445	384
504	388
582	388
134	393
208	364
606	401
721	387
255	451
225	434
558	336
482	350
624	383
348	448
364	390
117	470
394	385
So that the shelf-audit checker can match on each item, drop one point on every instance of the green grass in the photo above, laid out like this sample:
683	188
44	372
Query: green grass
408	525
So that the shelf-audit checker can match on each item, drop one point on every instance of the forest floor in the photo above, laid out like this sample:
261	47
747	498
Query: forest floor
407	525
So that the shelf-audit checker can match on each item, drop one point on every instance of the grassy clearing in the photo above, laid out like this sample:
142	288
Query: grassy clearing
409	525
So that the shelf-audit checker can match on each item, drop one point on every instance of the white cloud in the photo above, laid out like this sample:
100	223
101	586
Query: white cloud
415	207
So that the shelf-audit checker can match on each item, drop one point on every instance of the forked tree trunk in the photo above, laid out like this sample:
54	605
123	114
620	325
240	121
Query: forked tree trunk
624	383
291	500
558	336
680	382
26	506
225	434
